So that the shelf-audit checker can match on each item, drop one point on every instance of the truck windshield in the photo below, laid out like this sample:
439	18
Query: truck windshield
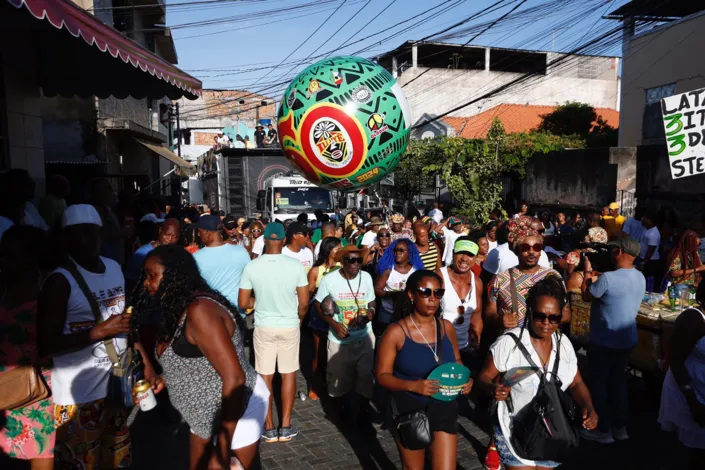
295	200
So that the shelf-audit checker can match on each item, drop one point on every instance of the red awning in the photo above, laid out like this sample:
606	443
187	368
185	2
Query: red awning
63	14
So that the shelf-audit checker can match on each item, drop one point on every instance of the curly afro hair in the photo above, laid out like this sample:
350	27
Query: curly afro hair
181	283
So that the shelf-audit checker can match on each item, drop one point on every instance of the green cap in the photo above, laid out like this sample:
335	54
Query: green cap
466	246
275	231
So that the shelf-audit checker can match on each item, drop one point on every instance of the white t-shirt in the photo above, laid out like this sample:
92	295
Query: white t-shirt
493	244
436	215
304	256
651	237
317	249
450	237
369	239
349	295
82	376
258	245
503	259
507	356
33	218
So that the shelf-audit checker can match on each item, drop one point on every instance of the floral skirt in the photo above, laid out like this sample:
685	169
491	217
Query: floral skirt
30	432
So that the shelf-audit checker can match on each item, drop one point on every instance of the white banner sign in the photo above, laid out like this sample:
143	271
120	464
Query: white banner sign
684	122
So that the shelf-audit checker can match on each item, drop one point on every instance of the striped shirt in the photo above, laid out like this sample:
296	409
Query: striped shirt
430	258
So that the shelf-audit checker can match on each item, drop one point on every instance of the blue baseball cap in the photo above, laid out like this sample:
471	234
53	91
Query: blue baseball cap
210	223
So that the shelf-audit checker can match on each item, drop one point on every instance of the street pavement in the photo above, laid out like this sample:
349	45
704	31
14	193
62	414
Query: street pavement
325	443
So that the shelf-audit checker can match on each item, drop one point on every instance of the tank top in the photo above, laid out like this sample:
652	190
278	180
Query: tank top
395	282
430	258
195	388
82	376
322	272
415	361
450	304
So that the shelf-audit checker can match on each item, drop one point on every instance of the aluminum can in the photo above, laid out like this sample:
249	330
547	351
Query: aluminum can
145	395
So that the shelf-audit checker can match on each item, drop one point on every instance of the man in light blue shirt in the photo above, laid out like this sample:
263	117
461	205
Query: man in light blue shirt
616	297
221	263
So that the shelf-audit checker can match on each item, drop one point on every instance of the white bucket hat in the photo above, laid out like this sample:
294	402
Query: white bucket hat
80	214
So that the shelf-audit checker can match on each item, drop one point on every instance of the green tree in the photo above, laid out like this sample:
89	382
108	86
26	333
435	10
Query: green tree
470	170
579	119
410	176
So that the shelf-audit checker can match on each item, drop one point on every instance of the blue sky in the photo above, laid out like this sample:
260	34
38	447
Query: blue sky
245	42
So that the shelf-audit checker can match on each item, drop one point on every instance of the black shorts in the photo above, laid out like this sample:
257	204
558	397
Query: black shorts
442	415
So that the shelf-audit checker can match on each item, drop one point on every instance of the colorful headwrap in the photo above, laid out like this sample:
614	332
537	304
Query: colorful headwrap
520	228
573	258
397	218
598	235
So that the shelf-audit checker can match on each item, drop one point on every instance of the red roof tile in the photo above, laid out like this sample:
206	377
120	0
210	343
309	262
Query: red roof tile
515	117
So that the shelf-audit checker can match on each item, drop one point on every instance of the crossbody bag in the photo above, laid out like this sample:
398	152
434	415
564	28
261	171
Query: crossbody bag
126	368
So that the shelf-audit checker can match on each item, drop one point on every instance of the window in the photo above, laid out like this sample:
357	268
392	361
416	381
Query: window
652	127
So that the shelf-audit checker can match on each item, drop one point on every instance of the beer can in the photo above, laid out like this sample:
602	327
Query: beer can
145	395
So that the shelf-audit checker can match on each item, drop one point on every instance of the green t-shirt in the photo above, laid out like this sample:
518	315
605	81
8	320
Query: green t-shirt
274	279
317	236
337	286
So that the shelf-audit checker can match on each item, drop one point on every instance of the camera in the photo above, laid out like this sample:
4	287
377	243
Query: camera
599	255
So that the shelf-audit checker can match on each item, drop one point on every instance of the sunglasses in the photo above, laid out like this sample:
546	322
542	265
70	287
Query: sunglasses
399	250
383	235
426	292
540	317
351	260
525	247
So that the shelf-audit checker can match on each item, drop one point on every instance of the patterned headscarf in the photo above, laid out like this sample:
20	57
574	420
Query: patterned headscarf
397	218
573	258
598	235
520	229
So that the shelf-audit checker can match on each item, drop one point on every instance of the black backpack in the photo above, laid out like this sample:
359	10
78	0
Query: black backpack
545	429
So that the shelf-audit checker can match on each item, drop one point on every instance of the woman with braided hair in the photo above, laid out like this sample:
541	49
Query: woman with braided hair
684	264
201	351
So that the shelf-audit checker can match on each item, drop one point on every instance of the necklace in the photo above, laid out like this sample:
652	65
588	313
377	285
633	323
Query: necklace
433	349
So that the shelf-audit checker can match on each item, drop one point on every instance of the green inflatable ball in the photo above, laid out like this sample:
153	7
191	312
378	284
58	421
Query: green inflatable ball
344	123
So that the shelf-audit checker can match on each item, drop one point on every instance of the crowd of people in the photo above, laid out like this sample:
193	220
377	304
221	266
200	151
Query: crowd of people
215	304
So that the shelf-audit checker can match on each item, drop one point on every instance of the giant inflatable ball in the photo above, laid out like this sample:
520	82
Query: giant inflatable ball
344	123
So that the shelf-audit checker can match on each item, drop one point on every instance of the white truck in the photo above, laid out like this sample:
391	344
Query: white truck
286	195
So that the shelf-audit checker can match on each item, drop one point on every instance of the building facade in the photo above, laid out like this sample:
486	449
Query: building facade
657	63
437	77
85	107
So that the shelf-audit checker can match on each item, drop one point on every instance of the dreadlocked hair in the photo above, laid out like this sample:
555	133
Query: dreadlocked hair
180	284
403	306
386	262
687	250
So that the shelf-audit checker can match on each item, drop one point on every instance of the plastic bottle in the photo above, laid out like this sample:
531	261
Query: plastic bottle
672	296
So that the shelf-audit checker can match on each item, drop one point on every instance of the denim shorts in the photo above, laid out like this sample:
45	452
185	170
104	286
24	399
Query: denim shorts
509	459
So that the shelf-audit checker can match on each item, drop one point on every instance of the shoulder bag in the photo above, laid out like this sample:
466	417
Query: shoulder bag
22	386
544	429
127	368
412	427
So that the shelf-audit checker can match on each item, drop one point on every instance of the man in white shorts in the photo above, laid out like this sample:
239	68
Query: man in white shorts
278	282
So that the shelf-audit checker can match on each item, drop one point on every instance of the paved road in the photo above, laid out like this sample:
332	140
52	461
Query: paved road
325	444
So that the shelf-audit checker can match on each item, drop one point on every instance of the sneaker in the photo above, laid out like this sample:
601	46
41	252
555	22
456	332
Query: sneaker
312	395
492	459
270	435
620	434
288	433
597	436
